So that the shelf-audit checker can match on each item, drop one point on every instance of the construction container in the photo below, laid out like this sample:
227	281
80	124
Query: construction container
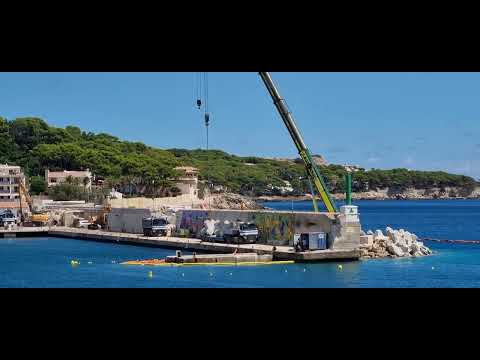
310	241
317	241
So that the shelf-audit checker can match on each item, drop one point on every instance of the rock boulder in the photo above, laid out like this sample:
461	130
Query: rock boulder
395	250
396	243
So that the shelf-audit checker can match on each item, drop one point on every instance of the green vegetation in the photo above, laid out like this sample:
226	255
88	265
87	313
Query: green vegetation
403	178
34	145
73	191
38	185
252	175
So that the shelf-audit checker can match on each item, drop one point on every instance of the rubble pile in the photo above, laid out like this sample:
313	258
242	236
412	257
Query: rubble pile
395	244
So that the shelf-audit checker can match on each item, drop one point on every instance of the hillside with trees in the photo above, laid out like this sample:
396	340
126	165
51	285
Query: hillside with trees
36	146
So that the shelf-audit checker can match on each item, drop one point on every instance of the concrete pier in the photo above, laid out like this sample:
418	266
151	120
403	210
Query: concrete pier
219	258
176	243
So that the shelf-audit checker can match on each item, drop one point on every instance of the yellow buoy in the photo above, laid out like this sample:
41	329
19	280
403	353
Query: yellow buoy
340	267
150	274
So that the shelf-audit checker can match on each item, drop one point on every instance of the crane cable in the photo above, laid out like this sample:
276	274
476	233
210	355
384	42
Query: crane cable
205	92
201	94
207	114
207	123
198	89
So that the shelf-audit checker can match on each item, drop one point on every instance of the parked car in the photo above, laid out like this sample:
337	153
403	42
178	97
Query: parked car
94	227
82	223
7	218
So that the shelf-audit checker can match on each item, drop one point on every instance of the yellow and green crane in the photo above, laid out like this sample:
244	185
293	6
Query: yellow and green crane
312	169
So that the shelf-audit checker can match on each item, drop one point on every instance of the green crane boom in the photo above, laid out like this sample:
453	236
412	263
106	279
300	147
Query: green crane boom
312	169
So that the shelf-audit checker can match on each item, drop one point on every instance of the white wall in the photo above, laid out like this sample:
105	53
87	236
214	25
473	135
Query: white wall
127	220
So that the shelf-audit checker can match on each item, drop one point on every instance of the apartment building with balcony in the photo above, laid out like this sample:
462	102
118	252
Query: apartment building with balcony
10	178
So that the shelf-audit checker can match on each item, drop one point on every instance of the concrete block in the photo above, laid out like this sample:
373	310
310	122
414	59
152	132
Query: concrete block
366	240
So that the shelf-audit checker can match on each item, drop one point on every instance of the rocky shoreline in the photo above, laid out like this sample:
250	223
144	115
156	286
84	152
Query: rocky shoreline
395	244
232	201
391	194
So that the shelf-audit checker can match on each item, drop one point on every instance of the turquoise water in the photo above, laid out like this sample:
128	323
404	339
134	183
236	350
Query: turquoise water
45	262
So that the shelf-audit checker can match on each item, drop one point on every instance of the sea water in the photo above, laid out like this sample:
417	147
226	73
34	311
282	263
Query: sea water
46	261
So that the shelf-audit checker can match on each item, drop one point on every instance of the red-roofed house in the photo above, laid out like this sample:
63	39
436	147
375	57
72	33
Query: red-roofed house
57	177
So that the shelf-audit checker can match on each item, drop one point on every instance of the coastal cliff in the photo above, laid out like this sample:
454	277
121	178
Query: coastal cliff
415	194
393	194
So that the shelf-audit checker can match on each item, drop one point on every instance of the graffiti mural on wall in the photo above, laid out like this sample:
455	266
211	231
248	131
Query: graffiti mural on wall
275	227
193	220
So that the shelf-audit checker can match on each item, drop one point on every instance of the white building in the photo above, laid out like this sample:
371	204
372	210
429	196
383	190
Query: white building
84	177
10	179
188	181
284	190
352	168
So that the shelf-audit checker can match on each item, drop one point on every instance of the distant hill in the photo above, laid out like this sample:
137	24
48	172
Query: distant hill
318	159
34	145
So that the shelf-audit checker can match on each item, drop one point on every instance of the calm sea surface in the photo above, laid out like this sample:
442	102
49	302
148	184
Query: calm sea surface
45	262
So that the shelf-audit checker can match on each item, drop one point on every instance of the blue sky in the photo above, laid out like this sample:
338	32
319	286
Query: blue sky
427	121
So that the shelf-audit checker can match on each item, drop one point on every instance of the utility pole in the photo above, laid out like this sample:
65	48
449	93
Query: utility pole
348	188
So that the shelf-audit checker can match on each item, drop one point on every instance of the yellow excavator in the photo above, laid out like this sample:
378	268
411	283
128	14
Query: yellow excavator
36	218
100	220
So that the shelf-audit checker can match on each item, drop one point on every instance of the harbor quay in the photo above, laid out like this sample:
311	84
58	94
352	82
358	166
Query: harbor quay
280	253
